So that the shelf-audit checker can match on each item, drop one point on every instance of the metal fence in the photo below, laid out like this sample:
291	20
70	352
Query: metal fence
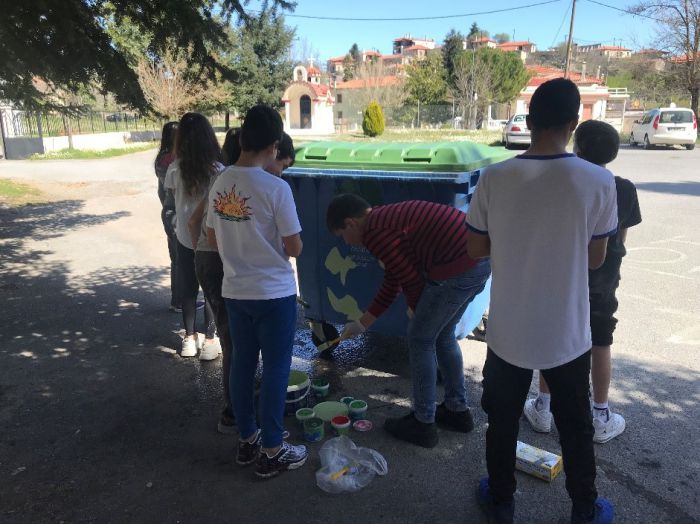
34	124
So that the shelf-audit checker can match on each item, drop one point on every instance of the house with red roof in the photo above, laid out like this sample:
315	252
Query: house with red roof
308	104
523	48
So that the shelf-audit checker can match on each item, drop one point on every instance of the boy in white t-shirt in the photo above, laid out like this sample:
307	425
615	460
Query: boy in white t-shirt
253	221
544	218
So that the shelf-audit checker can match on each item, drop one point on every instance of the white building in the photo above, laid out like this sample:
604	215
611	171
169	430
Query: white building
308	105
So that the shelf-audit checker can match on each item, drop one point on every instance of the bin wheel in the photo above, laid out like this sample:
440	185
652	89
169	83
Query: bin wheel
647	144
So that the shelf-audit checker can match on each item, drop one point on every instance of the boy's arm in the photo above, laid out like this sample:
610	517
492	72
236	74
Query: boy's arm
479	245
293	245
211	238
597	250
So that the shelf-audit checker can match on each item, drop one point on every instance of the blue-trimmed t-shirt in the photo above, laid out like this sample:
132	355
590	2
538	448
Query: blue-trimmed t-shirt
540	213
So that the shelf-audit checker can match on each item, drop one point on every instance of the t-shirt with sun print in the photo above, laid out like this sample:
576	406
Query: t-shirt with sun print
250	211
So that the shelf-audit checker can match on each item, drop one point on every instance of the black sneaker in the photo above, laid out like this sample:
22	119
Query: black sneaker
288	457
411	430
227	423
248	452
460	421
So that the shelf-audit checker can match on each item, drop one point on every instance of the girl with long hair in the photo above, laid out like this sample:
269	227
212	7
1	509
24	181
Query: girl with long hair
165	157
197	160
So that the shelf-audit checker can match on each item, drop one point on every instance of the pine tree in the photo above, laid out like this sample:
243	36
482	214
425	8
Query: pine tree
373	120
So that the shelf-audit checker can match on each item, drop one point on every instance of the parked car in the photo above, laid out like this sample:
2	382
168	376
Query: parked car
114	117
666	126
516	132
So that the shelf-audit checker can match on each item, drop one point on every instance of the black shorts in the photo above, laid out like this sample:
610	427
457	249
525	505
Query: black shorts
603	321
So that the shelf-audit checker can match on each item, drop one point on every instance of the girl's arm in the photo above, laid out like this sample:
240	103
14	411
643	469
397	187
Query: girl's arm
194	226
293	245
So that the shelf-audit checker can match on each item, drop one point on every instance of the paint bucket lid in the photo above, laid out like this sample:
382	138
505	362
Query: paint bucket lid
327	410
358	405
362	425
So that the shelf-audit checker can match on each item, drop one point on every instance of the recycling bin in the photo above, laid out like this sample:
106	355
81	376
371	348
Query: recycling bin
337	282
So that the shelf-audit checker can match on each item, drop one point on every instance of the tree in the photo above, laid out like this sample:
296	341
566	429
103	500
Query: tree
501	38
376	84
348	68
488	76
169	88
426	80
679	33
67	44
452	46
373	120
474	31
355	54
260	55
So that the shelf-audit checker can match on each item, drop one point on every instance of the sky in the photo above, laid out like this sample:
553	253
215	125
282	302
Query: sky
546	25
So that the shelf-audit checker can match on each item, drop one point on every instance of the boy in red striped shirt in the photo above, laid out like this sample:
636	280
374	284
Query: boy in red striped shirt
423	247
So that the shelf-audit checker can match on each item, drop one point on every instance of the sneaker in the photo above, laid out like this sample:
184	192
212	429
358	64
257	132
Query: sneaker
603	513
227	423
211	348
460	421
199	305
248	451
189	347
607	426
541	421
495	513
288	457
410	429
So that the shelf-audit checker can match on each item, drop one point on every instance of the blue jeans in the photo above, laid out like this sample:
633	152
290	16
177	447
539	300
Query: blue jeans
257	326
432	341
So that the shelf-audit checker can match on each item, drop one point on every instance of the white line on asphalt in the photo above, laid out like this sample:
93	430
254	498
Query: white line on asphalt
664	273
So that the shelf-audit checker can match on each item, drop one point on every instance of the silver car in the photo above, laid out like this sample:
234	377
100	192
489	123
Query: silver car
516	132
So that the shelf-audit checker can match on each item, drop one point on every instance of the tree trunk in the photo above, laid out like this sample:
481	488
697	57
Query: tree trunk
227	120
694	94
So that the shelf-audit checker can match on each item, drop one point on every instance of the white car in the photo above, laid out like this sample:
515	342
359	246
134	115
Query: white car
516	132
666	126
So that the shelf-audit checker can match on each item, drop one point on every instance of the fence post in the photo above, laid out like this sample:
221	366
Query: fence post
2	133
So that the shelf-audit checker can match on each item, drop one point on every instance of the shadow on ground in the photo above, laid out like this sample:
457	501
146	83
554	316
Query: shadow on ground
676	188
102	421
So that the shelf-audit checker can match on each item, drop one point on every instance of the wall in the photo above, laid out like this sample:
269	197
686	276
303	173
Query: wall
23	147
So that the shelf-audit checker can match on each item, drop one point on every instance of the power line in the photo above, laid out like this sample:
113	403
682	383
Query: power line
554	41
626	11
441	17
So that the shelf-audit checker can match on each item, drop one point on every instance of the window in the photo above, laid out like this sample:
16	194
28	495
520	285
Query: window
339	99
676	117
519	118
340	115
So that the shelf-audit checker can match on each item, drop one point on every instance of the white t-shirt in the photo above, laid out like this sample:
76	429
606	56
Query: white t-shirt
184	202
540	213
251	210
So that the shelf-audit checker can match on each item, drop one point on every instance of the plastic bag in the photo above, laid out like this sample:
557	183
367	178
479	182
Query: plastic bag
347	468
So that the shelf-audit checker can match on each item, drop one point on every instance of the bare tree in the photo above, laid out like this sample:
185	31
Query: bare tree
679	33
171	89
473	86
377	83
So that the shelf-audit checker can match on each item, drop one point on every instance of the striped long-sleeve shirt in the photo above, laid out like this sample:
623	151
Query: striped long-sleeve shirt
416	241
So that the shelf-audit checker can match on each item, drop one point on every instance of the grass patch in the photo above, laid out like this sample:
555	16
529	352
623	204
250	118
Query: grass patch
479	136
88	154
15	194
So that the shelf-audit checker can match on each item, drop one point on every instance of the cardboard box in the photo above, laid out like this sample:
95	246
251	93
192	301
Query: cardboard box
537	462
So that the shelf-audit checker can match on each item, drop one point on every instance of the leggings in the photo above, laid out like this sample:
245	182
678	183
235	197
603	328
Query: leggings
189	289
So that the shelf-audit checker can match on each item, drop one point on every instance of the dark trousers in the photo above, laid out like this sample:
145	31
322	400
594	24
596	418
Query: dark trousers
210	273
188	286
167	218
505	391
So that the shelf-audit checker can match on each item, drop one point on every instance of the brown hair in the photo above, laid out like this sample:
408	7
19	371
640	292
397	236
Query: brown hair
197	151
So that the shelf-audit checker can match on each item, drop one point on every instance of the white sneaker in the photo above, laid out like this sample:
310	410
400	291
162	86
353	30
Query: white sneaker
189	347
608	430
541	421
210	349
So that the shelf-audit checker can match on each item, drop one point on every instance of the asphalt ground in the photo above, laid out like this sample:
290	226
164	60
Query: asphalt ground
100	420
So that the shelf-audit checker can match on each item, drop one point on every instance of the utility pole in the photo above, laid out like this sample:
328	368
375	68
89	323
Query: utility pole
569	41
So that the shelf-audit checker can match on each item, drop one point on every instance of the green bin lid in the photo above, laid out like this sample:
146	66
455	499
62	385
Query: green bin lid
450	157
